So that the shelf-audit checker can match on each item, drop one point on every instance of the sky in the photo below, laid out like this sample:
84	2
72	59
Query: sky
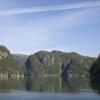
28	26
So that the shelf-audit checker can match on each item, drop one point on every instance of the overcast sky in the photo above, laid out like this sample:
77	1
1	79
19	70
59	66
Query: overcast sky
28	26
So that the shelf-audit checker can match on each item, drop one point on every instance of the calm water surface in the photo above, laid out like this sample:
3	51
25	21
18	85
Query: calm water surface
49	88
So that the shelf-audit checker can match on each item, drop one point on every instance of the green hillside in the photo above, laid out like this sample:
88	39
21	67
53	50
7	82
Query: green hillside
7	62
95	68
57	63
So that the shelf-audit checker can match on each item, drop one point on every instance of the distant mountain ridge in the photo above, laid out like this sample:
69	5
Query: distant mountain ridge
20	59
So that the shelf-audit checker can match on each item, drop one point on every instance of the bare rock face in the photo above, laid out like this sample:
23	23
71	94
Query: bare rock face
47	60
58	63
74	69
41	63
3	55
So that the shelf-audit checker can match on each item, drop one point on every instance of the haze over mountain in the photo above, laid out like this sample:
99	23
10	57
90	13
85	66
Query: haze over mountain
20	59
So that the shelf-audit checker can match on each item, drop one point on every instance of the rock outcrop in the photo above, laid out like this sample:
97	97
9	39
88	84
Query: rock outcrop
58	63
3	55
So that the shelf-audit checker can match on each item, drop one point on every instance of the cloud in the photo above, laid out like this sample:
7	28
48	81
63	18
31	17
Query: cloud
46	33
41	37
50	8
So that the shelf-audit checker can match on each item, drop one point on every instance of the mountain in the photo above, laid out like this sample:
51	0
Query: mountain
7	63
58	63
95	69
20	59
48	63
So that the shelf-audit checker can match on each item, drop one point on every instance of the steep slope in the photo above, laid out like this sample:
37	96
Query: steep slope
7	63
57	62
95	69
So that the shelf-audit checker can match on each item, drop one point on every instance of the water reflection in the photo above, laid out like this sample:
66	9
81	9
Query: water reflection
28	85
43	84
11	84
48	84
95	84
76	84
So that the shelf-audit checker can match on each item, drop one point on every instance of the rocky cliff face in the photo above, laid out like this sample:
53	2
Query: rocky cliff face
3	55
58	63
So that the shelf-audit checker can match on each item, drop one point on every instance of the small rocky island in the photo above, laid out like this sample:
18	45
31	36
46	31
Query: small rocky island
43	63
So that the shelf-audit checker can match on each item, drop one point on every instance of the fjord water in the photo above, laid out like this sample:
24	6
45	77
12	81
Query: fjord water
48	88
